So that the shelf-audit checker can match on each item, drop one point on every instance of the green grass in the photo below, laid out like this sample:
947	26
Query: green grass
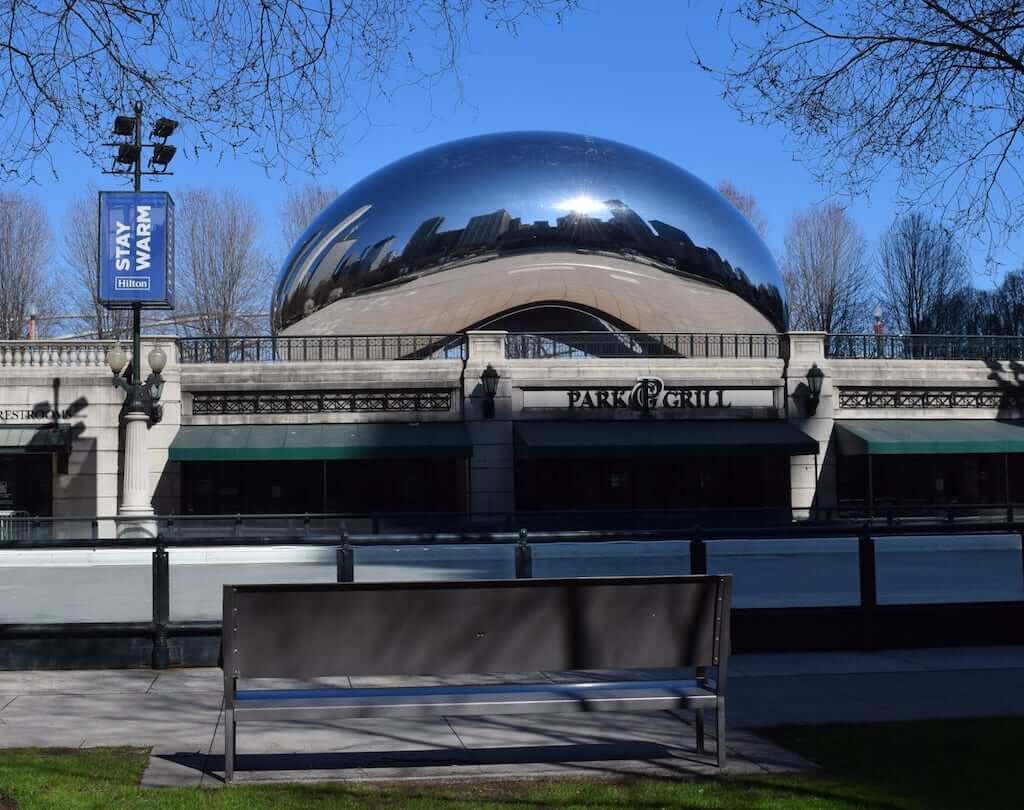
951	765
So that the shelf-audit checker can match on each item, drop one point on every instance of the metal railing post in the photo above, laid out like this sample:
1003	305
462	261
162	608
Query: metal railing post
1019	531
346	560
698	553
524	557
868	586
161	604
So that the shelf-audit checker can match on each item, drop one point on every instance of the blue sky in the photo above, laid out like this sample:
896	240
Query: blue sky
615	70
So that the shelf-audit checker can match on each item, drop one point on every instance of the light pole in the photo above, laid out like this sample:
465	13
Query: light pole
142	401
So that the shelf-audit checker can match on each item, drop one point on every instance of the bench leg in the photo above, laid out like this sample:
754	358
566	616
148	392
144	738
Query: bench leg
720	731
229	744
699	725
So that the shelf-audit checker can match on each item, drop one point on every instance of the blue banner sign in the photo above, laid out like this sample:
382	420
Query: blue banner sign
136	261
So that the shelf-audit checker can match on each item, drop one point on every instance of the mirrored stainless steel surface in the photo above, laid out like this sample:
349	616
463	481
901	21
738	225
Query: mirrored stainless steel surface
429	220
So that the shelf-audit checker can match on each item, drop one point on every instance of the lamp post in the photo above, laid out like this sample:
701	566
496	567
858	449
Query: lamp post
141	408
142	401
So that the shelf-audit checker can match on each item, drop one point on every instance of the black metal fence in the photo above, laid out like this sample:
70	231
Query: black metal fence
866	621
584	345
271	349
924	347
15	529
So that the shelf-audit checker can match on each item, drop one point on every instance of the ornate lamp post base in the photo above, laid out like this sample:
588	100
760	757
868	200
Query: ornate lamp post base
135	500
136	516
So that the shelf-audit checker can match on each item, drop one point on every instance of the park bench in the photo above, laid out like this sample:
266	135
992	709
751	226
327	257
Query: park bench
659	643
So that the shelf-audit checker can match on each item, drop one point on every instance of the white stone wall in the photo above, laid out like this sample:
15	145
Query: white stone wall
74	373
812	478
58	376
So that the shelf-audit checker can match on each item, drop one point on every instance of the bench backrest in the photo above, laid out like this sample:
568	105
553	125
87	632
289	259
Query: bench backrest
443	628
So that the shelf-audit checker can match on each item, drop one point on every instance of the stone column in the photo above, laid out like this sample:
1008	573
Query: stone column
492	468
812	479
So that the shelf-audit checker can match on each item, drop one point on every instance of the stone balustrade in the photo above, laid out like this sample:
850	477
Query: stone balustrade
54	353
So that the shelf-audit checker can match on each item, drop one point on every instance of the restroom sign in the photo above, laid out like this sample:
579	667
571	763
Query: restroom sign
136	249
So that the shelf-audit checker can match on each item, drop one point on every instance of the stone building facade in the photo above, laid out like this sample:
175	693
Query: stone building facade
307	434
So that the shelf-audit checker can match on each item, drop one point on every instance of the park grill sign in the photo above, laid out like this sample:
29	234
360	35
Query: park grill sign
650	394
136	249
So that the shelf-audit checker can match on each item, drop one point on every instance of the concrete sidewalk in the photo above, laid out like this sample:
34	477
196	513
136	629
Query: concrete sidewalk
179	713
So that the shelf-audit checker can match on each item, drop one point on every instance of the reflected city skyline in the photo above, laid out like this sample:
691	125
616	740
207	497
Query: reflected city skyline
367	241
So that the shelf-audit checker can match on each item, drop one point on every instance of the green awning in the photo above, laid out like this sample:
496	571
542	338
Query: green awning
35	439
887	437
334	441
649	439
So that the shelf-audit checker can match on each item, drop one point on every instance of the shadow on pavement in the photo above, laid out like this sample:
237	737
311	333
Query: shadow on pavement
213	764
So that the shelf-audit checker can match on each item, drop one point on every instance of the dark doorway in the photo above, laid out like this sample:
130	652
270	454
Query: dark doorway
685	482
351	487
915	482
26	483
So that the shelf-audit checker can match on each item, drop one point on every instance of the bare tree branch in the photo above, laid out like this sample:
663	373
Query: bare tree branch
25	278
746	205
930	89
300	208
826	270
277	80
923	276
221	272
81	252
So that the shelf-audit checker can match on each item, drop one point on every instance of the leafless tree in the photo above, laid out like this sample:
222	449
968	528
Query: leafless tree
26	280
300	208
278	80
922	273
932	90
1008	305
223	276
81	251
826	269
746	204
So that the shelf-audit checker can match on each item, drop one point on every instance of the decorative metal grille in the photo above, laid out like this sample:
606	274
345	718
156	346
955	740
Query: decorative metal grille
857	397
276	402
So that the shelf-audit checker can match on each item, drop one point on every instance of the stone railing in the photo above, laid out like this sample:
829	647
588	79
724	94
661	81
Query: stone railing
54	353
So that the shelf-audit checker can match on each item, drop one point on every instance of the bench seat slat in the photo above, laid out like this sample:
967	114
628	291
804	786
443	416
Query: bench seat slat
492	699
357	693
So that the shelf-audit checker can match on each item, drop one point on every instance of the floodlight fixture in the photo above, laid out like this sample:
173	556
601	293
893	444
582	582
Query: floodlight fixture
124	125
164	127
163	153
127	153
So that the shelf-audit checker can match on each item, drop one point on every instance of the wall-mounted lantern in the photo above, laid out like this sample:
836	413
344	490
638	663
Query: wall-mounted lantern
815	379
489	381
